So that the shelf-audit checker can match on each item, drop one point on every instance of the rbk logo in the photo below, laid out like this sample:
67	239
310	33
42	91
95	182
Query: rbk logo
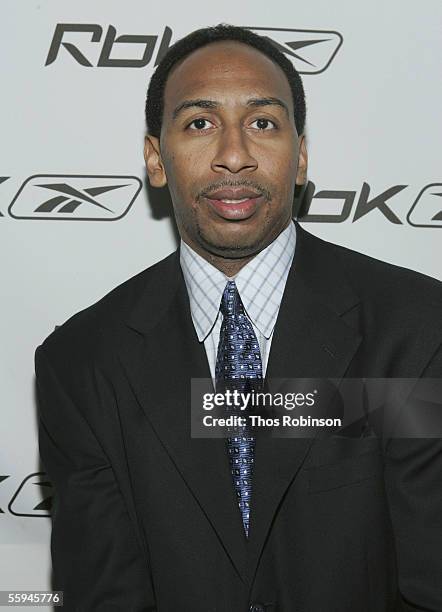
366	203
143	43
75	197
311	51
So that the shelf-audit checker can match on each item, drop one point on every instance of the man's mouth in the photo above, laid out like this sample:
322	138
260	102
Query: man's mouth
234	203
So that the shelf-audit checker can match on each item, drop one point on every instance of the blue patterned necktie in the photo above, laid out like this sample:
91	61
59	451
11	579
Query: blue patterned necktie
239	366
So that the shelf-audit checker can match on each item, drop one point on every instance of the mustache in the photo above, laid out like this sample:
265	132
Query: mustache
212	187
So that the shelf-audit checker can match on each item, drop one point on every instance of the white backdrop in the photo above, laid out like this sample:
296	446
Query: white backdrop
69	131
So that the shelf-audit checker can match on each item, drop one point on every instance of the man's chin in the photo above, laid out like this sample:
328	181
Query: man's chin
230	248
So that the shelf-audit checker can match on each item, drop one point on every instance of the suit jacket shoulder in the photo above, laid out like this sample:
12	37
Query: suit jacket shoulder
92	332
373	278
397	295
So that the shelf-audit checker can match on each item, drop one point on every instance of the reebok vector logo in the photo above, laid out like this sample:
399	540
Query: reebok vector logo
75	197
427	208
33	497
311	51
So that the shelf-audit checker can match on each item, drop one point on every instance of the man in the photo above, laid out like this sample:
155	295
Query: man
147	517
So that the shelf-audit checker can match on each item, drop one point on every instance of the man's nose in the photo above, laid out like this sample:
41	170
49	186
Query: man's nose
233	153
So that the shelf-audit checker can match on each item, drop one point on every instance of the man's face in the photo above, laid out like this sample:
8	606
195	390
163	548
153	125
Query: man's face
228	150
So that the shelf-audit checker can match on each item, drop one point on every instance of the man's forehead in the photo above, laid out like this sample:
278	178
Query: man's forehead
226	69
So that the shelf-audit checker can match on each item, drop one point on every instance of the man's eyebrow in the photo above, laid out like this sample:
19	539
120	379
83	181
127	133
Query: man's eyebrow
199	103
268	102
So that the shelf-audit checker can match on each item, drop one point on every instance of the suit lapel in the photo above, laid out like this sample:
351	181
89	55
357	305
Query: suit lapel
160	356
311	339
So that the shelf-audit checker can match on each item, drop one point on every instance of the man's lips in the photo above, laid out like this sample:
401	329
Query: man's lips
235	210
234	193
234	204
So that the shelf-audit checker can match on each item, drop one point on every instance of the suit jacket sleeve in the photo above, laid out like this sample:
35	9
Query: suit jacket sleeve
97	560
414	487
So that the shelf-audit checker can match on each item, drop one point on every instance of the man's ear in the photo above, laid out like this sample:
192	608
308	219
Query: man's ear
301	175
154	163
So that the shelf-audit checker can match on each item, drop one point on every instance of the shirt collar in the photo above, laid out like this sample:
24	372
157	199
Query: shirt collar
260	283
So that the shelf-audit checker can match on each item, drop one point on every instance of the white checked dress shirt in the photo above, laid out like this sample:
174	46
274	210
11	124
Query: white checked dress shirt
260	284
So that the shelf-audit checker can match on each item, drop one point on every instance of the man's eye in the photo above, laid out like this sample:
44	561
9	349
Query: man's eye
264	124
199	124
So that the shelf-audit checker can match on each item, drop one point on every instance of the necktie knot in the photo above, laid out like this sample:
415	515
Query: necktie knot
231	302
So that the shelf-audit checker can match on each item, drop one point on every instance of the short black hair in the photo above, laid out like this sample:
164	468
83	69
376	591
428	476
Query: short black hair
202	37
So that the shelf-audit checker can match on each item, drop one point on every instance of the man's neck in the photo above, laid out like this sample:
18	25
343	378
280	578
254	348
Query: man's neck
229	267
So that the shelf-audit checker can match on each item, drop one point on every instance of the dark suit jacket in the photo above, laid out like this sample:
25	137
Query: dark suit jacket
144	516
